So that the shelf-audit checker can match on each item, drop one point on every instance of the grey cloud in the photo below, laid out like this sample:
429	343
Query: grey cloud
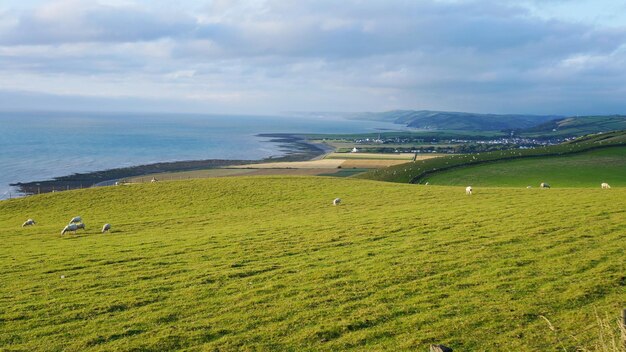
373	29
325	54
80	21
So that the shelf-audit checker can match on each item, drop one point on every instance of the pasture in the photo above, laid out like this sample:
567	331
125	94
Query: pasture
267	263
417	171
587	169
373	156
333	164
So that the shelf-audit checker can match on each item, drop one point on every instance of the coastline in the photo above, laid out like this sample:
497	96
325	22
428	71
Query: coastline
295	147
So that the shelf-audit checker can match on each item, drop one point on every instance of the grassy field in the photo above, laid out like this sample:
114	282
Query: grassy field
395	156
267	263
183	175
212	173
417	171
364	145
587	169
383	156
330	166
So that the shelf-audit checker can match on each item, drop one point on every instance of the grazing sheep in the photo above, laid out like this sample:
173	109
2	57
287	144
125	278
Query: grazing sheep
605	185
336	201
544	185
28	222
73	228
106	228
468	190
529	187
439	348
76	220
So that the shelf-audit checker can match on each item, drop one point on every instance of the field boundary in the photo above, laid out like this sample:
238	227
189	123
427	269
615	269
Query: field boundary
416	179
404	173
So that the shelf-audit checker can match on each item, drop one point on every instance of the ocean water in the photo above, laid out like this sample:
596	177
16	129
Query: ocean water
41	146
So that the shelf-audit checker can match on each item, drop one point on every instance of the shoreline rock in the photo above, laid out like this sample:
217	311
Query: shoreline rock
294	147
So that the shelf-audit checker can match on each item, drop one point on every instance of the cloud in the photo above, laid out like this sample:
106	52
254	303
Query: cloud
272	55
78	21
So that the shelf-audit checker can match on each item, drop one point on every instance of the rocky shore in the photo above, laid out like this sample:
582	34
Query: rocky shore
294	148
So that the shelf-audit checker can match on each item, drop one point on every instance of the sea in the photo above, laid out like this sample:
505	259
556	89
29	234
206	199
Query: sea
36	146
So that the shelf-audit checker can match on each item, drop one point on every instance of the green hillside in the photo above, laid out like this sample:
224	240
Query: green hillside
588	169
576	126
485	125
421	170
269	264
461	121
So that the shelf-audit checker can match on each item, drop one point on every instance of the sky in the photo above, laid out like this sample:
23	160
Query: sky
561	57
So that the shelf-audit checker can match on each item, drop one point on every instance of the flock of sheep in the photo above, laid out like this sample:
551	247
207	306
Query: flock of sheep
543	185
75	224
469	190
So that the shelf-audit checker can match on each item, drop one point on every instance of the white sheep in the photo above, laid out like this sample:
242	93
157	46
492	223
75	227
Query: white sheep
76	220
106	228
73	228
336	201
544	185
468	190
28	222
605	185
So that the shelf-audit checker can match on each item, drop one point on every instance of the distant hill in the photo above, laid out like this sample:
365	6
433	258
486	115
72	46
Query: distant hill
577	125
445	120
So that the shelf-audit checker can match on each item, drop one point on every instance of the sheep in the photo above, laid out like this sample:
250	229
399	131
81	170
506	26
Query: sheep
106	228
544	185
76	220
336	201
529	187
73	228
605	185
28	222
468	190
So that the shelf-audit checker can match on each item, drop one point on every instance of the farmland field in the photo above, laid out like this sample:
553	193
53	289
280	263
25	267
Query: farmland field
417	171
325	167
370	163
267	263
230	172
384	156
587	169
